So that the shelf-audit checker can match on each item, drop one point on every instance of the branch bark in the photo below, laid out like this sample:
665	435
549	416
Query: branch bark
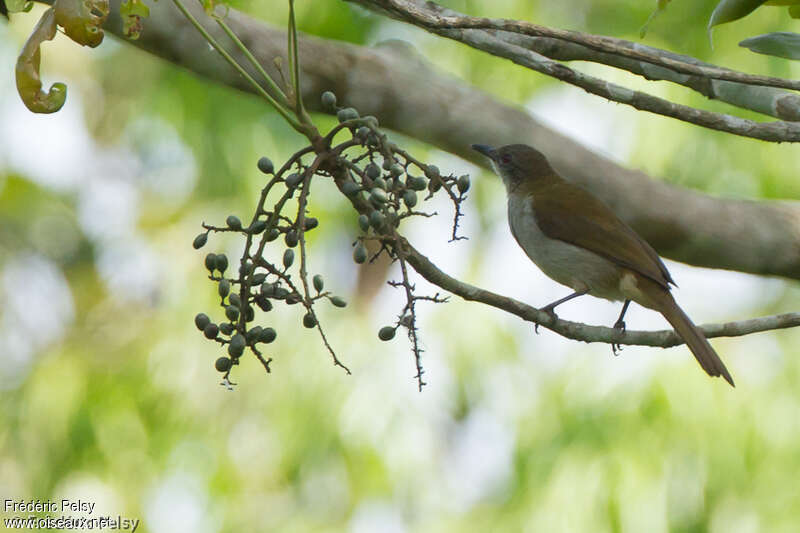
424	15
407	95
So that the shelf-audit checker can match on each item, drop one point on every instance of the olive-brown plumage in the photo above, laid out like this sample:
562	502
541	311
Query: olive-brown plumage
578	241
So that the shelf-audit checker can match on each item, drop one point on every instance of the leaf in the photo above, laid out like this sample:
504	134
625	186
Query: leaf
132	13
730	10
780	44
19	6
794	11
29	83
82	19
661	5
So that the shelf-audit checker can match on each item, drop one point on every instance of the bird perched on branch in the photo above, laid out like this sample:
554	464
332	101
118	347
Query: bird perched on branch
578	241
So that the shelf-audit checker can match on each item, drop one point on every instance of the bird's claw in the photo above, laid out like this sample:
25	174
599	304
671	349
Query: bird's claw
616	348
549	310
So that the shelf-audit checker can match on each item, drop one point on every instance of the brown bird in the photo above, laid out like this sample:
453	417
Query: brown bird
578	241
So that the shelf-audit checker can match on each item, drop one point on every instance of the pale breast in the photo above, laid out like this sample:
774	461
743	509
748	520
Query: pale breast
567	264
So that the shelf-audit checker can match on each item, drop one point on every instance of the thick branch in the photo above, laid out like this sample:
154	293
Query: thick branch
415	13
394	84
770	101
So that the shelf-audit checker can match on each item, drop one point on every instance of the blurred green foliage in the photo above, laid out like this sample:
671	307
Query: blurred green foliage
515	432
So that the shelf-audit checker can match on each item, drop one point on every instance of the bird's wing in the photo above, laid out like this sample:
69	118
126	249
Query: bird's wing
596	228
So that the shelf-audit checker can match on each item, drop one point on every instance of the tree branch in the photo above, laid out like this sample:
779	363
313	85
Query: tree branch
413	12
396	85
583	332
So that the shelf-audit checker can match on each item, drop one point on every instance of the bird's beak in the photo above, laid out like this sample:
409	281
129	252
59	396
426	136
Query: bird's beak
486	150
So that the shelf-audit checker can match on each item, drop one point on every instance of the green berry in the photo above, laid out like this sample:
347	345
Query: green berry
200	241
253	334
223	364
291	238
267	335
288	257
257	227
350	188
293	298
264	304
235	351
359	253
434	185
432	171
376	219
232	312
211	331
463	183
362	133
386	333
387	164
235	300
363	222
329	100
211	262
348	113
309	320
201	320
396	170
224	287
226	328
378	196
222	262
249	313
258	279
233	222
310	223
372	171
416	183
338	302
273	234
265	165
246	268
319	283
410	199
293	180
380	183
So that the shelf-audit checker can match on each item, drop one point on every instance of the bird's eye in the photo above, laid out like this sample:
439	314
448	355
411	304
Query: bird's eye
505	159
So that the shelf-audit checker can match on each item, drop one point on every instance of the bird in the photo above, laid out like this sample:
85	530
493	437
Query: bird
578	241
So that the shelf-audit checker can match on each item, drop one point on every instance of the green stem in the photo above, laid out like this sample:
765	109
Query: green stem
250	57
294	63
295	123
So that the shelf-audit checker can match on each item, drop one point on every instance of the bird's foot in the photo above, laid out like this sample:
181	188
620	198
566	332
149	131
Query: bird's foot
619	325
549	309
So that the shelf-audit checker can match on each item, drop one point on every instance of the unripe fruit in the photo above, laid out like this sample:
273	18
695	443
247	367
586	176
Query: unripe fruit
253	335
226	328
350	188
380	183
378	196
432	171
329	100
223	364
291	238
416	183
310	223
348	113
372	171
201	320
267	335
258	226
288	257
319	283
200	241
265	165
410	199
359	253
363	222
386	333
211	262
293	180
232	312
273	234
376	219
338	302
222	262
309	320
463	183
396	170
211	331
233	222
237	344
224	287
235	300
264	304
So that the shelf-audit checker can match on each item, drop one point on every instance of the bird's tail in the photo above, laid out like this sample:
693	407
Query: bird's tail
693	337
